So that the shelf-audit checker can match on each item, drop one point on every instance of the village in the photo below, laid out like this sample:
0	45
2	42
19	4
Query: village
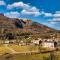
45	43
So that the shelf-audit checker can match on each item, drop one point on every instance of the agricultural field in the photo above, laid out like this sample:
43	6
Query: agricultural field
4	49
41	56
13	52
14	49
23	48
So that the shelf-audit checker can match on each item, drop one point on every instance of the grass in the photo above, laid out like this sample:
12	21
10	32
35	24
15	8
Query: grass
3	50
23	48
41	56
17	48
30	57
23	57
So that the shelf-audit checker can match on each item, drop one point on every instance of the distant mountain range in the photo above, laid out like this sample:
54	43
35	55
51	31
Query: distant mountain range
23	24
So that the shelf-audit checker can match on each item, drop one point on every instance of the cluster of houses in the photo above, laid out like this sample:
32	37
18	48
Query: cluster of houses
45	43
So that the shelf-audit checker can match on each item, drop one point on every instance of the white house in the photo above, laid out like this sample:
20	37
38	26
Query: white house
49	43
6	42
35	41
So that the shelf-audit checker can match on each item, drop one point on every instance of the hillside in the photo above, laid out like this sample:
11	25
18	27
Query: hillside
25	25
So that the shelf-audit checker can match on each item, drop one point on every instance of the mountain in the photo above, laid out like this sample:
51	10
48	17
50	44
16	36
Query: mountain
15	24
10	23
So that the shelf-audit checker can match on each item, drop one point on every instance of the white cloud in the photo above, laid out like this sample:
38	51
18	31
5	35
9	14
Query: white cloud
55	15
54	20
18	4
33	11
26	8
2	3
48	14
12	14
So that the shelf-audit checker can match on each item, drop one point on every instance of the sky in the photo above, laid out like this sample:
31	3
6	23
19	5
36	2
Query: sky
46	12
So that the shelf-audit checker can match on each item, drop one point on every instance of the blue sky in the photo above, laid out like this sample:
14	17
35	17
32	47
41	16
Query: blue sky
46	12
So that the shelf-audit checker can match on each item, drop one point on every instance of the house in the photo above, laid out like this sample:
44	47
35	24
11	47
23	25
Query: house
22	43
36	41
12	41
6	42
49	43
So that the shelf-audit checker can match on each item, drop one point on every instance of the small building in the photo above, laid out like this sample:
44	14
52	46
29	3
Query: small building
22	43
12	41
6	42
49	44
36	41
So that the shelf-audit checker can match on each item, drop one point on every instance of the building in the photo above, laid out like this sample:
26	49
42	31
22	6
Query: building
45	43
37	41
49	43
